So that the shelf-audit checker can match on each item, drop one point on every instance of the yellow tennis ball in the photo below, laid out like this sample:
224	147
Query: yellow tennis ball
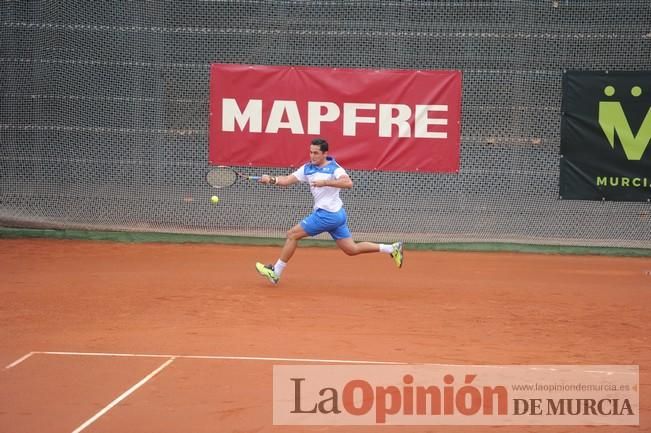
214	199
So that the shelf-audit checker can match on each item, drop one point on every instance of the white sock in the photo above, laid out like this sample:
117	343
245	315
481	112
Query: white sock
279	267
386	249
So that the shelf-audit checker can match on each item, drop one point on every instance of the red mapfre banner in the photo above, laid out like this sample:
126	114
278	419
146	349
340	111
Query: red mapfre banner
396	120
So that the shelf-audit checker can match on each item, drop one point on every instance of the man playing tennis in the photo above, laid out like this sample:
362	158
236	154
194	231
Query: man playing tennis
326	179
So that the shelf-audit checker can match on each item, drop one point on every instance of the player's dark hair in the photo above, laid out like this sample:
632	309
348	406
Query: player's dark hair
323	145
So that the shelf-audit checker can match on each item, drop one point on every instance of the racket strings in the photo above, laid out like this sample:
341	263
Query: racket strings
220	177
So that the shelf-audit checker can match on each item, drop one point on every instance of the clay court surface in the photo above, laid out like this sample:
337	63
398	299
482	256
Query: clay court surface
184	300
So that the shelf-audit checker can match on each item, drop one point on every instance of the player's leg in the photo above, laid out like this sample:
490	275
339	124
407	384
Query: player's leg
294	235
344	240
309	226
352	248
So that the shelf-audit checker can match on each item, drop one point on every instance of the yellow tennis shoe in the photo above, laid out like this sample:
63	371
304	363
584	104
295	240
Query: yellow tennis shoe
398	256
267	271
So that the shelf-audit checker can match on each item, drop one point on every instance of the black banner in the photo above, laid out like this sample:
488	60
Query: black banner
605	136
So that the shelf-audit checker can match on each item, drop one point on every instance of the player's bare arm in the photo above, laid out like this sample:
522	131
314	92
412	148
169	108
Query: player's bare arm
278	180
344	182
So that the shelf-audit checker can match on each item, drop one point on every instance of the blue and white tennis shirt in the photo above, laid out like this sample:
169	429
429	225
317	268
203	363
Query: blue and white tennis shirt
325	197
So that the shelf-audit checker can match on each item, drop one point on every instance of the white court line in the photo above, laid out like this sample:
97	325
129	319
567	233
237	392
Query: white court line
219	357
123	396
19	360
282	359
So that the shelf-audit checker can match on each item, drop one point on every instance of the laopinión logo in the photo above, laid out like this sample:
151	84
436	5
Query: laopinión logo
455	395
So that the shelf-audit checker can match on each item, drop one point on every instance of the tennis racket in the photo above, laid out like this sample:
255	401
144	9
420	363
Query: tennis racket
223	176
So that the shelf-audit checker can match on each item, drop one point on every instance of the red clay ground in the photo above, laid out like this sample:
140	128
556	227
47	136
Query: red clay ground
448	308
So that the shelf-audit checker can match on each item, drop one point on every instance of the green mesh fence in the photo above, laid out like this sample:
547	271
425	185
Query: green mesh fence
104	113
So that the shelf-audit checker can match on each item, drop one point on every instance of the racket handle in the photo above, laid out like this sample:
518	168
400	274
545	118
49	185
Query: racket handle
255	177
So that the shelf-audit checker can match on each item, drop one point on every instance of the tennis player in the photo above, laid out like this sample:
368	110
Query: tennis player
326	179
